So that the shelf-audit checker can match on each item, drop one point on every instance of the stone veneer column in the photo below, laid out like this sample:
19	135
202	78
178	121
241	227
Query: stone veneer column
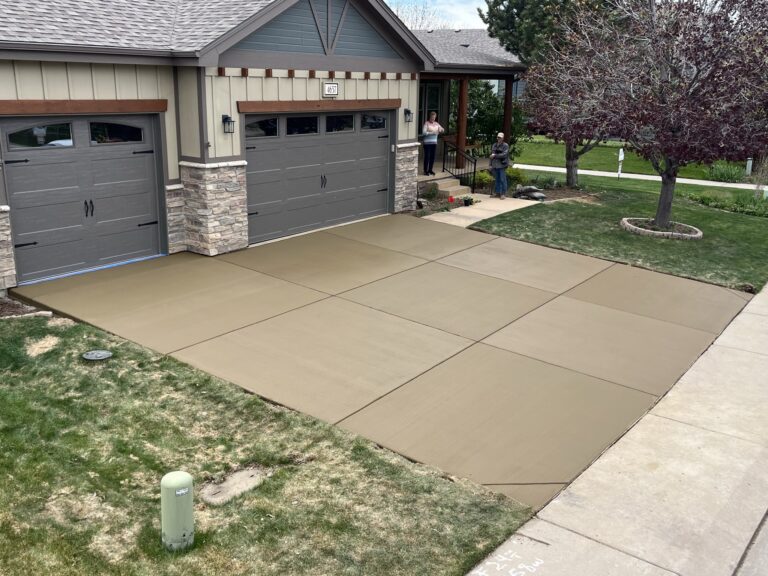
406	171
215	207
176	219
7	260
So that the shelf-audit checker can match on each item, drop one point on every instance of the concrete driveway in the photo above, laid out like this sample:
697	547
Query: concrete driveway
508	363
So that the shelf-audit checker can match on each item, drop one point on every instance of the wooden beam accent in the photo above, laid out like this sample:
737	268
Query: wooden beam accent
244	72
332	74
367	75
312	73
291	73
349	75
222	71
479	76
268	72
508	108
53	107
383	75
247	107
399	76
461	133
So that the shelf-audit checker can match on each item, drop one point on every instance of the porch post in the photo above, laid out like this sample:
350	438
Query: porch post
461	136
508	83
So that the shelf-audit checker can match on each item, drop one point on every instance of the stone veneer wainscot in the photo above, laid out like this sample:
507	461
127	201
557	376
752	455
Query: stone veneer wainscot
406	172
7	261
215	207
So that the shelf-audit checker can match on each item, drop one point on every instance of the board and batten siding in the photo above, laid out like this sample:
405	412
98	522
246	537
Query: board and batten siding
30	80
189	112
223	93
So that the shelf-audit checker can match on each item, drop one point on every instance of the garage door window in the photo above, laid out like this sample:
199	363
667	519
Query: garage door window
301	125
45	136
110	133
340	123
374	122
261	128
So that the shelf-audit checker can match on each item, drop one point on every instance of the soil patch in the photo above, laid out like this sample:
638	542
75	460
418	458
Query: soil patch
10	307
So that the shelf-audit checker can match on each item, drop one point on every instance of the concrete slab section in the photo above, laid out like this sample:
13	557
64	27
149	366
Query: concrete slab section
755	562
674	495
747	332
460	302
171	303
528	264
327	359
500	418
534	495
323	261
452	218
628	349
543	548
414	236
725	391
677	300
759	304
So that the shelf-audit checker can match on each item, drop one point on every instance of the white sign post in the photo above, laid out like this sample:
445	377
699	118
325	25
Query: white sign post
621	161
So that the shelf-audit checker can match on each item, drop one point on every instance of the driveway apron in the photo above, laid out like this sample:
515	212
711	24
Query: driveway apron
508	363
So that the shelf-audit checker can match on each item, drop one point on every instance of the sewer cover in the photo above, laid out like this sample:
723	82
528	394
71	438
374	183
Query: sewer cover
235	484
94	355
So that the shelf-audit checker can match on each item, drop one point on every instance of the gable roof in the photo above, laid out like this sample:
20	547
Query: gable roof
466	49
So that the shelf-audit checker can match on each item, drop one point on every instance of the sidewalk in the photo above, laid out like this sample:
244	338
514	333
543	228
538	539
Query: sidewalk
684	492
638	177
484	207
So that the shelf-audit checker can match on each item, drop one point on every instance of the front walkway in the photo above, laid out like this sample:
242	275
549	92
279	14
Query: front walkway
511	364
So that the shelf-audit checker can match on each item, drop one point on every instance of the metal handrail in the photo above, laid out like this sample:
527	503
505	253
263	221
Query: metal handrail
459	164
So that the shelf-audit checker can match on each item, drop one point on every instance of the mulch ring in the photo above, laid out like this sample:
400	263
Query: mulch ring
10	307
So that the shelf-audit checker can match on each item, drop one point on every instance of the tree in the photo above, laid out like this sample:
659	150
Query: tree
419	15
685	80
532	29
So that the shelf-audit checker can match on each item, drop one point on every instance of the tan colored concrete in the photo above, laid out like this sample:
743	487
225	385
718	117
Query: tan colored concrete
486	207
677	300
528	264
534	495
682	498
415	236
500	418
451	299
327	359
543	548
173	302
323	261
628	349
725	391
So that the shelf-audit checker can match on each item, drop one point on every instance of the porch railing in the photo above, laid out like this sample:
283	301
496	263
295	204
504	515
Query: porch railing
459	164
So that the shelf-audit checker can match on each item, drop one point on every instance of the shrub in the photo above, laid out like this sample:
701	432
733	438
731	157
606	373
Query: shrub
545	182
516	176
741	204
430	193
483	179
726	172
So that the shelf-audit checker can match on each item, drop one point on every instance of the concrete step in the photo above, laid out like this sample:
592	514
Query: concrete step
456	191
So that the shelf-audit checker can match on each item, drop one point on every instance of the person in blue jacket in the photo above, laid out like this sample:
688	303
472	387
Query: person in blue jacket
430	131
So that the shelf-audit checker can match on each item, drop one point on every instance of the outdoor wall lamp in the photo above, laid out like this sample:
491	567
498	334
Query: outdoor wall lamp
229	124
408	115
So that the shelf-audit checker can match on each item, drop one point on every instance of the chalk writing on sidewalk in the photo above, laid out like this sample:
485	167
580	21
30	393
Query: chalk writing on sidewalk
509	564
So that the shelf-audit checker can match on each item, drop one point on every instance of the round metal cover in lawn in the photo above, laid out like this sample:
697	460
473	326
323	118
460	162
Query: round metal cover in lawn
95	355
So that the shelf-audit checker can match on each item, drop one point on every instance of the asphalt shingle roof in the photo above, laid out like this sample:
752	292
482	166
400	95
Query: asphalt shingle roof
161	25
472	47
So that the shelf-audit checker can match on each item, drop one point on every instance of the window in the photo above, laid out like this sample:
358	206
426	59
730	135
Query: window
341	123
301	125
47	136
374	121
261	128
109	133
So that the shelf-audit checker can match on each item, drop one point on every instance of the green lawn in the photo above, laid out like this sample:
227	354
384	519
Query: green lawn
732	252
83	448
543	152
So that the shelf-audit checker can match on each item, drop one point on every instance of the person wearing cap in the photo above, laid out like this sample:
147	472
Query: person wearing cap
499	163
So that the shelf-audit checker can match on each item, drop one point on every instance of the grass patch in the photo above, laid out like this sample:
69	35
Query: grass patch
544	152
730	254
83	447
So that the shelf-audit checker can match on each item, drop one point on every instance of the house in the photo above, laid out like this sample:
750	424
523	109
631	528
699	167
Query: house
131	129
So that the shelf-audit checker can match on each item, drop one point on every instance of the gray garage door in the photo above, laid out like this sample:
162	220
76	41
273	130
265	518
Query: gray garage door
307	171
83	192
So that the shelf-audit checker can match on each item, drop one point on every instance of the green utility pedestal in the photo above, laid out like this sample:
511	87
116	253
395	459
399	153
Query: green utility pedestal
177	520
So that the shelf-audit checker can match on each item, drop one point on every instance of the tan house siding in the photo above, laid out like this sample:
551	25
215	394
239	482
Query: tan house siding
223	93
189	112
29	80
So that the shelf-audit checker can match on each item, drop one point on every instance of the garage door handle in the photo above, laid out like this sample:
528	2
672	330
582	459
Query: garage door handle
386	136
17	161
250	147
91	208
25	244
143	151
148	223
252	213
382	189
85	203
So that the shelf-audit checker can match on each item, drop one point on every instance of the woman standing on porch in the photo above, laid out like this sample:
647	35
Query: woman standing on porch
499	163
430	131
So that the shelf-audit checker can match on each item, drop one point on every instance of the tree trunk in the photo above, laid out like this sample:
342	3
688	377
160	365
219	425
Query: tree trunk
664	210
571	165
